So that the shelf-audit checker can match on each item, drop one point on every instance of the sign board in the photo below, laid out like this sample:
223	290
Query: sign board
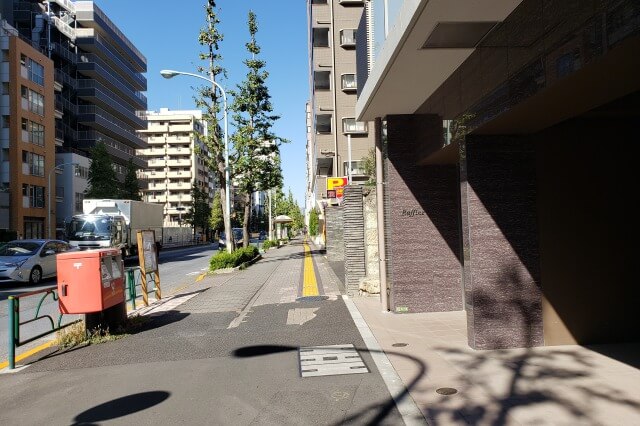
337	182
148	259
331	193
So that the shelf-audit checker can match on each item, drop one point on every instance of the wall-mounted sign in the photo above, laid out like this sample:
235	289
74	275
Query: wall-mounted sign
331	193
336	182
412	213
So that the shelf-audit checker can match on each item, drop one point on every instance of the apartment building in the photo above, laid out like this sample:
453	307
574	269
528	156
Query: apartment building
27	146
99	82
519	215
175	156
336	141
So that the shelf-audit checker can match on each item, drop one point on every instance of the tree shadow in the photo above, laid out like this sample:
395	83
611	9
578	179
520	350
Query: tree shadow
497	383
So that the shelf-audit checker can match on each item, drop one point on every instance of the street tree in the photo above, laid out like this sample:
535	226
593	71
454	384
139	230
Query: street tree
131	186
209	100
199	212
256	157
103	182
216	221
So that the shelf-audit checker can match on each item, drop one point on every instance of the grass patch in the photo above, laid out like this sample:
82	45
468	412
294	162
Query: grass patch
231	260
77	335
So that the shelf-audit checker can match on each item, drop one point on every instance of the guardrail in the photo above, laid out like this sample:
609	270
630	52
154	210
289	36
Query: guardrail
133	280
15	323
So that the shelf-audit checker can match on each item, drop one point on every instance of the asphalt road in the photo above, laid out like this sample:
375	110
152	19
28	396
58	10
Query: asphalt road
178	268
231	354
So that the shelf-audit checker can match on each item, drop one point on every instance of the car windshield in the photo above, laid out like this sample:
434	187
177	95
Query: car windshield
93	228
20	248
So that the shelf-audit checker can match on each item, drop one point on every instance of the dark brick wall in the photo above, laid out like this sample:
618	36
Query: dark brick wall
354	255
423	231
502	272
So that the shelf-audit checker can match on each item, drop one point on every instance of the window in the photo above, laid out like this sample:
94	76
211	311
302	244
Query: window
351	126
79	197
36	133
349	82
357	168
35	72
34	162
34	195
348	38
35	100
323	123
322	80
321	37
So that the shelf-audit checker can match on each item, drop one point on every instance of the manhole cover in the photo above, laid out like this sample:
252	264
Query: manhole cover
400	345
311	298
446	391
330	360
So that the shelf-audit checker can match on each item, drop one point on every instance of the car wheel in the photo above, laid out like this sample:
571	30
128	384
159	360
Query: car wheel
35	276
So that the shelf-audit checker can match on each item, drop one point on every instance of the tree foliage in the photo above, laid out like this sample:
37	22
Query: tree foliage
103	182
199	213
256	160
216	222
208	100
287	205
131	186
314	221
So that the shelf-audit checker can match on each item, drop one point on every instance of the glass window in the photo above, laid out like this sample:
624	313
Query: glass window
36	72
351	126
349	82
348	37
321	37
323	123
322	80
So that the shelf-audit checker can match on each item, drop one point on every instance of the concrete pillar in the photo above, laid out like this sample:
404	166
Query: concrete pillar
422	230
500	242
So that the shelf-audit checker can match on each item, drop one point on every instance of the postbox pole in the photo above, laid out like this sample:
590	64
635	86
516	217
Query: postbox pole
12	341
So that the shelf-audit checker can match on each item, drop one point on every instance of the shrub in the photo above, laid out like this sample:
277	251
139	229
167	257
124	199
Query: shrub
269	243
231	260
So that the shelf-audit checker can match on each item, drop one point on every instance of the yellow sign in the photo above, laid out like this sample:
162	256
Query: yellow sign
334	183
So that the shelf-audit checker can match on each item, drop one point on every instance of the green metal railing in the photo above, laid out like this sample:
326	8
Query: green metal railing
15	323
133	281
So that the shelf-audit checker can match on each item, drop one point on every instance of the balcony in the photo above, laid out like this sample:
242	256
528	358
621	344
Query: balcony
352	127
96	93
125	82
106	123
348	38
351	2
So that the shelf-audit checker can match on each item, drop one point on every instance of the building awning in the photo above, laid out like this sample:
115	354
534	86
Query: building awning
427	42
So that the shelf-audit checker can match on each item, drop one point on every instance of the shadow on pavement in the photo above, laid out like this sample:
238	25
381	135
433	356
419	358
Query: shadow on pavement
381	410
120	407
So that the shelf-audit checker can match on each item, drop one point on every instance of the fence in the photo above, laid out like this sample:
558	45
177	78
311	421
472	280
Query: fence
133	281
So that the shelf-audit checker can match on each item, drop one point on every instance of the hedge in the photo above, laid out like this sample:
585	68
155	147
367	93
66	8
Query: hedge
231	260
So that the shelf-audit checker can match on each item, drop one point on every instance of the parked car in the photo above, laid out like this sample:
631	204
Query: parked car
237	236
30	260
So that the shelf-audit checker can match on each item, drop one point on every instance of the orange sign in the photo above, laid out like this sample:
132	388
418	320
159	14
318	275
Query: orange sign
335	183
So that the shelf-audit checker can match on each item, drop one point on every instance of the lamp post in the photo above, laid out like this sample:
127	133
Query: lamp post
227	218
49	206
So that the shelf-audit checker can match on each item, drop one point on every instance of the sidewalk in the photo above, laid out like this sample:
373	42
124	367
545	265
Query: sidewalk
554	385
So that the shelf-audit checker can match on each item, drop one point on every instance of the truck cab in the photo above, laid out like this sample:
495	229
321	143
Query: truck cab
89	231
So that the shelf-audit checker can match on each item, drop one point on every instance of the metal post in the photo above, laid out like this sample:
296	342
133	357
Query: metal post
12	341
270	223
349	159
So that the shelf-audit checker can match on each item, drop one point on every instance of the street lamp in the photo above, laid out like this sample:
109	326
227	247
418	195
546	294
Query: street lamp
227	220
49	206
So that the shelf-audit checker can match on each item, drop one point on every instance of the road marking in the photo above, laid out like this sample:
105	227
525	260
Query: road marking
28	353
193	273
201	277
309	283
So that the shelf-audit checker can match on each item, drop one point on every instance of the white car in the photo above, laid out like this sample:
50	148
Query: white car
30	260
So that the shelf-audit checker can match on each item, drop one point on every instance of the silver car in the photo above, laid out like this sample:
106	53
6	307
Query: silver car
29	260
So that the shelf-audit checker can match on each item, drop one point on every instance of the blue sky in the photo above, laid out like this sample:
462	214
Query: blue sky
167	34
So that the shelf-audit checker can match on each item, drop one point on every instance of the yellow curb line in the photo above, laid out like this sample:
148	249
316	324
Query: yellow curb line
28	353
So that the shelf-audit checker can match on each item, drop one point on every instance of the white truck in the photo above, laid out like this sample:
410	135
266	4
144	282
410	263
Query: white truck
114	223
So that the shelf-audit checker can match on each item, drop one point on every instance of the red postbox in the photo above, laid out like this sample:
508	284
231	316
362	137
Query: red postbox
90	281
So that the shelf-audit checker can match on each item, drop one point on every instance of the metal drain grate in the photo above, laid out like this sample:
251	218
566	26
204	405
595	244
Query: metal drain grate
330	360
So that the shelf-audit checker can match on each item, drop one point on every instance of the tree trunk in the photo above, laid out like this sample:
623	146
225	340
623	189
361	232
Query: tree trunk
245	222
